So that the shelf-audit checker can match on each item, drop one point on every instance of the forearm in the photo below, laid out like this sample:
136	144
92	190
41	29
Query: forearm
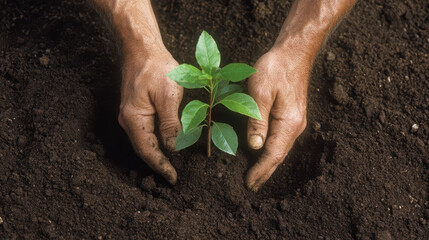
135	25
309	24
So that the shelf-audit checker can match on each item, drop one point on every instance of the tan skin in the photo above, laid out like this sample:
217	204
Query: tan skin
279	87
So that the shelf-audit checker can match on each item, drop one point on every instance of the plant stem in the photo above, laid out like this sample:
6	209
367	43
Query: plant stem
209	126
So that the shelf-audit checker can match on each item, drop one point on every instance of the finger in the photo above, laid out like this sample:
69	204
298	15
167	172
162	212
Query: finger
169	123
283	134
140	130
257	129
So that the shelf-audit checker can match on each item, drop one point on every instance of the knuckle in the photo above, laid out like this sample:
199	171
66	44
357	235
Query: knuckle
297	120
260	94
255	124
166	100
126	115
169	125
277	159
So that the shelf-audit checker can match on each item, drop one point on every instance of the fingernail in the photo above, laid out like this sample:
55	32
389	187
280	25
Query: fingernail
171	176
170	143
167	171
254	186
256	141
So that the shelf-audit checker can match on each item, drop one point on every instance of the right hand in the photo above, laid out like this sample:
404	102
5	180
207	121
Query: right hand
146	91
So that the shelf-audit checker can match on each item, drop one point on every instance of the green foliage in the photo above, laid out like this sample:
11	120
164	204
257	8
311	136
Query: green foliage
242	103
188	139
228	90
216	81
207	54
224	137
236	72
193	114
188	76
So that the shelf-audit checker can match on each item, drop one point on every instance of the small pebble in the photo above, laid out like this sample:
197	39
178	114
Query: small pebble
1	220
284	205
330	56
407	78
414	128
219	175
44	60
316	126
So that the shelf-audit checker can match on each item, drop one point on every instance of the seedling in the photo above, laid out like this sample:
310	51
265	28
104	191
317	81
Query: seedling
216	81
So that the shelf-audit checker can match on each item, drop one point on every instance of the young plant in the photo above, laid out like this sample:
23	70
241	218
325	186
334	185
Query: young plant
216	81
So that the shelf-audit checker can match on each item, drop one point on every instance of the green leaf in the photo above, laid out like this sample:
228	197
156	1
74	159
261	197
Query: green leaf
185	140
188	76
236	72
224	137
219	85
193	114
205	77
228	90
242	103
207	53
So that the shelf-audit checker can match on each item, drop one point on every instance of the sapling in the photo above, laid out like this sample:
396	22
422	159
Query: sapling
217	82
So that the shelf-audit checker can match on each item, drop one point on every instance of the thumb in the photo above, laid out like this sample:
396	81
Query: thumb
257	129
169	124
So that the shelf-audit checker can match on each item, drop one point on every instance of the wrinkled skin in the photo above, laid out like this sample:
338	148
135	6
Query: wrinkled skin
146	91
280	90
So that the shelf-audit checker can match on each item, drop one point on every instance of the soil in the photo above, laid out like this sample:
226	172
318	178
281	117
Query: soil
359	171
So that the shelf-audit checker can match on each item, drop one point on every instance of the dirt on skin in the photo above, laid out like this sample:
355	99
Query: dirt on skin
359	171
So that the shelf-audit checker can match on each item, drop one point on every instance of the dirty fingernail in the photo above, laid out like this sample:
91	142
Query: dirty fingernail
255	185
170	143
171	176
256	141
167	171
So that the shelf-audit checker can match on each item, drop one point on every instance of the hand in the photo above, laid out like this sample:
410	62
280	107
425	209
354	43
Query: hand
280	90
147	90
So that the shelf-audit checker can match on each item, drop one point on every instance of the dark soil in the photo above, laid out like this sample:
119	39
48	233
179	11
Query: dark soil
358	171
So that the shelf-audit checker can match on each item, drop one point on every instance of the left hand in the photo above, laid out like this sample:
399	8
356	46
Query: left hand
280	90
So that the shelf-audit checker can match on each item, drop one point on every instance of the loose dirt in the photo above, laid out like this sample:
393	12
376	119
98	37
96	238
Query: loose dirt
359	171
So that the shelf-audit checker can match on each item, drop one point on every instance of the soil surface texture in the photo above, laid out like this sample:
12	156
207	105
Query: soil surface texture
359	171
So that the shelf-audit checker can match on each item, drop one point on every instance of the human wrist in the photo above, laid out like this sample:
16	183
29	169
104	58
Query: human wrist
292	55
136	28
303	45
309	24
